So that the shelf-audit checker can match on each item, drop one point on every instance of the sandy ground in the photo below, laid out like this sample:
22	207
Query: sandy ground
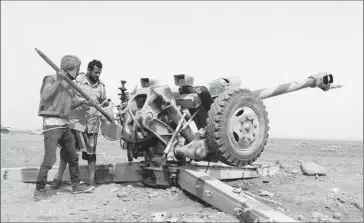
305	198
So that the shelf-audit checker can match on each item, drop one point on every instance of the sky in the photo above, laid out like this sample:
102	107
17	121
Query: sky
264	43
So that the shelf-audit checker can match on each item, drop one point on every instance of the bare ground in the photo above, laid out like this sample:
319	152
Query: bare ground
300	196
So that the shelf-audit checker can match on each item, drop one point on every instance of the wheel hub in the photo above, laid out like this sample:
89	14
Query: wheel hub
244	127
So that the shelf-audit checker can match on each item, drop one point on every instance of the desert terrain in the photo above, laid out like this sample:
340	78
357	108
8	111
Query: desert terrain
336	197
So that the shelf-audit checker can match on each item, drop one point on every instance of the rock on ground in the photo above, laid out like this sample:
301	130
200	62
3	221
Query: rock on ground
311	168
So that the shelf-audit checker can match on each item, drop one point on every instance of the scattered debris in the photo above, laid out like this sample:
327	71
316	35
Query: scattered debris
83	209
336	215
159	217
335	190
126	199
265	199
269	170
136	214
358	205
172	220
237	190
101	154
265	193
341	199
114	189
192	219
300	217
174	189
281	209
153	194
316	216
122	194
244	186
46	217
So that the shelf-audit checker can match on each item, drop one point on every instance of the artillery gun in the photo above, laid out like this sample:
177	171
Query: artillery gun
174	131
218	122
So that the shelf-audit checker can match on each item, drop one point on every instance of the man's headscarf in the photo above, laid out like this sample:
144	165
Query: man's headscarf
69	62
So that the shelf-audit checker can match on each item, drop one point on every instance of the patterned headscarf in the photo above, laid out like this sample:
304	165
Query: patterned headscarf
69	62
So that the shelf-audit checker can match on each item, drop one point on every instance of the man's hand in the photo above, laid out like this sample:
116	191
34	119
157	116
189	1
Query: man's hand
61	74
85	107
85	104
105	103
91	103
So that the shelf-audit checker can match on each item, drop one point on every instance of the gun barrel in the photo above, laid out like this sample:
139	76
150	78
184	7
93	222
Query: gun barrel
321	80
284	88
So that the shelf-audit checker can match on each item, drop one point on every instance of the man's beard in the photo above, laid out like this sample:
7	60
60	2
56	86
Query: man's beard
94	79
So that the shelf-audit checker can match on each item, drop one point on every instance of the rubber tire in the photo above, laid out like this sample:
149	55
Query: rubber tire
218	121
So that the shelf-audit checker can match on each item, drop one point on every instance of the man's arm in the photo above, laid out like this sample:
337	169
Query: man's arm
78	99
77	102
104	102
50	85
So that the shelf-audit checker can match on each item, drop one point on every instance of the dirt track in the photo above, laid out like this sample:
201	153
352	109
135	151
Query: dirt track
301	196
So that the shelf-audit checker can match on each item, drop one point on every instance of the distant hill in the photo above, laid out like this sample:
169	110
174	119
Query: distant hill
5	130
9	130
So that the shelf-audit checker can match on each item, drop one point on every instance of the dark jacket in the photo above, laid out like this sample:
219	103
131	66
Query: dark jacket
59	104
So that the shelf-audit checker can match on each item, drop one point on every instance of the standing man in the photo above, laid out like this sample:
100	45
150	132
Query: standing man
86	121
56	97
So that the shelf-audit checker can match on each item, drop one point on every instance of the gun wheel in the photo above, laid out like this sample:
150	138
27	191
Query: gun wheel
237	127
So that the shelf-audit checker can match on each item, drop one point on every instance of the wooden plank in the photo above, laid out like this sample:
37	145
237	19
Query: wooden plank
127	172
105	173
222	197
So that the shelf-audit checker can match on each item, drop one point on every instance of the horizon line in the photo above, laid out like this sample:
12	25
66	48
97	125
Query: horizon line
275	137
